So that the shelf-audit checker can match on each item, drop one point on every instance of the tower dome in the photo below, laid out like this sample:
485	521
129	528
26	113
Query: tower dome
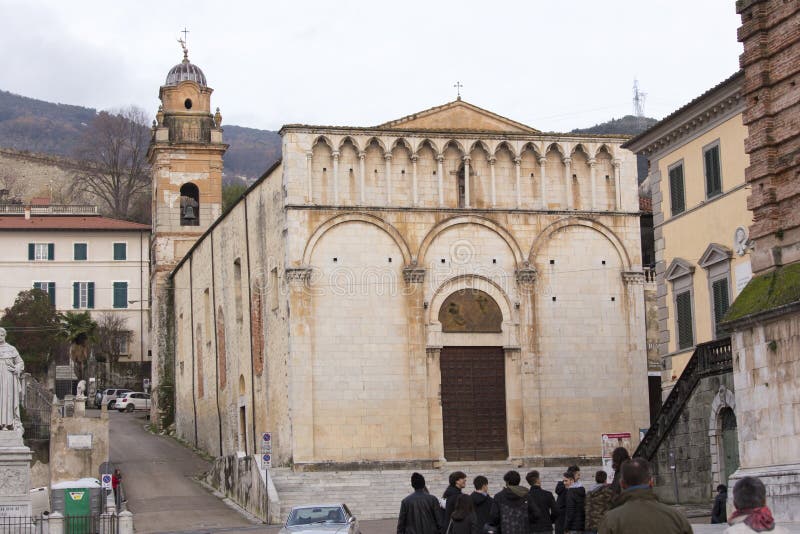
185	71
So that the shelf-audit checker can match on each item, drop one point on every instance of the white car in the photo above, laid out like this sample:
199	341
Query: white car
321	519
134	400
109	397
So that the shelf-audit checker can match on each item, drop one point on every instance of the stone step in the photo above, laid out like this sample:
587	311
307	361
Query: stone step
377	494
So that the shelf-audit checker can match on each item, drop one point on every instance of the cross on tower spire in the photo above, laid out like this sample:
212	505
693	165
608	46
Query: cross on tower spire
183	41
458	87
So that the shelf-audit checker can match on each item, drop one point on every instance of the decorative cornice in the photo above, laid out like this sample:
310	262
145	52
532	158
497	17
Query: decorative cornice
526	275
633	277
414	275
298	274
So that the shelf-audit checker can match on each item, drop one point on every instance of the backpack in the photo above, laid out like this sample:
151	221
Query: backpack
514	519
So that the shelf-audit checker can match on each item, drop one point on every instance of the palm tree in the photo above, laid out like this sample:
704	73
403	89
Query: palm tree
81	331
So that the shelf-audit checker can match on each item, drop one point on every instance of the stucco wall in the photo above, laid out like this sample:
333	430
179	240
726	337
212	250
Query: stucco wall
70	463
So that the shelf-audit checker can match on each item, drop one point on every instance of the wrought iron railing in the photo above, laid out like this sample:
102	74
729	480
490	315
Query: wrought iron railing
37	405
708	359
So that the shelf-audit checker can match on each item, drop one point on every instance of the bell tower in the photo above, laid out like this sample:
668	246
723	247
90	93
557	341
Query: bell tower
185	157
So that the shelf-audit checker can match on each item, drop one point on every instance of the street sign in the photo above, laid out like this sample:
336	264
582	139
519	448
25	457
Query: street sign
267	460
266	436
266	442
107	481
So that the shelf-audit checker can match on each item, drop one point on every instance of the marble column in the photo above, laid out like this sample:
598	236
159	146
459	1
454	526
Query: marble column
466	181
492	161
362	156
568	181
593	180
518	186
388	159
542	181
440	173
414	192
310	176
335	155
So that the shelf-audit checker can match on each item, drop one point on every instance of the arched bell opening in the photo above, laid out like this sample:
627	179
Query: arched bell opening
190	205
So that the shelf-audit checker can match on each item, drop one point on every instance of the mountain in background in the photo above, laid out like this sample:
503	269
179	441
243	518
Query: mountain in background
627	125
43	127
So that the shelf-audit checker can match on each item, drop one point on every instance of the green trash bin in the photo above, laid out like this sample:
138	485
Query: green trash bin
77	511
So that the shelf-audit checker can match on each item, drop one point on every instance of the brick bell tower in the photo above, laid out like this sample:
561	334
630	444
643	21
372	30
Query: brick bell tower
185	156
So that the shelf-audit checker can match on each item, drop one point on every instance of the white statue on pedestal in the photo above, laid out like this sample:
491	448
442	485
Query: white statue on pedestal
81	392
11	367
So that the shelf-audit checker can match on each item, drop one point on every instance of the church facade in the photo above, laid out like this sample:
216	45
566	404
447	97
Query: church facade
452	285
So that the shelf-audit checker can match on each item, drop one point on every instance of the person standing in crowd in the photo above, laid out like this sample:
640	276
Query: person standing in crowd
420	512
618	457
561	502
458	481
637	508
116	480
512	511
463	520
598	501
574	509
544	502
576	475
481	500
719	513
752	513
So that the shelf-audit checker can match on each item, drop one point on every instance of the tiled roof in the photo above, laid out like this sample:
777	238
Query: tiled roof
68	222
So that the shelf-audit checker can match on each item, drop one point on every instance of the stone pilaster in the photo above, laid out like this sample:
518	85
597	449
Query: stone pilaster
15	475
301	375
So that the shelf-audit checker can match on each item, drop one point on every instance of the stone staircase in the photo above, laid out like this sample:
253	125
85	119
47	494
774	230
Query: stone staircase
377	494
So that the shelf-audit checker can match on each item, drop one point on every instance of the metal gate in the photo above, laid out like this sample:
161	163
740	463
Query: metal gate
474	403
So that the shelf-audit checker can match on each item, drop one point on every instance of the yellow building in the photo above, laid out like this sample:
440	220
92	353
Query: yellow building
696	177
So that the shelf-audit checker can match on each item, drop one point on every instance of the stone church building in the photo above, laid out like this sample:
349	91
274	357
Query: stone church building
450	285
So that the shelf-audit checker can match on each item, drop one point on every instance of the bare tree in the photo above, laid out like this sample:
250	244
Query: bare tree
114	148
112	336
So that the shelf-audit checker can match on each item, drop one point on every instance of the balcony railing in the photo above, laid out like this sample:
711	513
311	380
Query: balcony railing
48	209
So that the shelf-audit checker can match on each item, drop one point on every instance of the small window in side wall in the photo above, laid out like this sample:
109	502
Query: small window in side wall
120	295
120	251
713	173
677	198
719	290
80	251
683	312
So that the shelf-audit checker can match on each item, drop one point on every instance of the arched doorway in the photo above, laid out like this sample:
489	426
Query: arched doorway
473	388
729	443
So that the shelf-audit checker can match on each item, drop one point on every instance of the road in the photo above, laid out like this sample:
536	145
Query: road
158	474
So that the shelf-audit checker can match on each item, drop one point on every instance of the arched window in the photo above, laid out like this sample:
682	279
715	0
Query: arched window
470	310
190	205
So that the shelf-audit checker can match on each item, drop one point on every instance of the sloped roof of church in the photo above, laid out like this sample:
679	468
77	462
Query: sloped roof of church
458	115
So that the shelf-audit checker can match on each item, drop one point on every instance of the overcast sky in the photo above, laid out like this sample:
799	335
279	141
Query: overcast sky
552	65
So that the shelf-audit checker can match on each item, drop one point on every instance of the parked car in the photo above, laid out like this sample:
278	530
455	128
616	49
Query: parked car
134	400
321	518
108	397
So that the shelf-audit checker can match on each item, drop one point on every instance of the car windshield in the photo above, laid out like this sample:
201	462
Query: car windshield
315	514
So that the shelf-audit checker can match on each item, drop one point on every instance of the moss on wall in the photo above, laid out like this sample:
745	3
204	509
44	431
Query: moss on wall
767	292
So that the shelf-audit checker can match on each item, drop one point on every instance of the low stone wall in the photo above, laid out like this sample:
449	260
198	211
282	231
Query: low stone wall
78	446
240	479
691	440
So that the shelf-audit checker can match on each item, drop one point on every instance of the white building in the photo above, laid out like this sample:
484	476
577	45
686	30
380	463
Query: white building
84	261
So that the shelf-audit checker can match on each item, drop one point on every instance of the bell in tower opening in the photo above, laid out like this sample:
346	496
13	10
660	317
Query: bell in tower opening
190	205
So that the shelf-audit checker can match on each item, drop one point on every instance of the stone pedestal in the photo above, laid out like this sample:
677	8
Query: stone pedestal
783	489
15	475
80	406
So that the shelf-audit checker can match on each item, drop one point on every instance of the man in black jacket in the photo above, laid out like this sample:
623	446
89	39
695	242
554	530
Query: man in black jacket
458	481
544	502
512	511
420	512
575	513
719	513
481	500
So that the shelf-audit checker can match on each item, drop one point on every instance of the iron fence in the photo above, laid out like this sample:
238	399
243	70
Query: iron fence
91	524
36	410
21	525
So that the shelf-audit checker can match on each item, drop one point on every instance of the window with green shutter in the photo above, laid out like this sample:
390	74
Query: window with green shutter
719	290
83	295
49	288
712	171
677	198
120	251
80	251
41	251
683	311
120	294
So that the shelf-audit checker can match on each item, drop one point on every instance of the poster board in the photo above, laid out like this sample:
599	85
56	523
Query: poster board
609	442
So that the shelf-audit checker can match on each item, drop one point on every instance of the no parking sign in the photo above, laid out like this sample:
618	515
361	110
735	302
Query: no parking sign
267	460
106	479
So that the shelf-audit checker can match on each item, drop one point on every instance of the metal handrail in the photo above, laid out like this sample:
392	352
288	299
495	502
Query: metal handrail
708	359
